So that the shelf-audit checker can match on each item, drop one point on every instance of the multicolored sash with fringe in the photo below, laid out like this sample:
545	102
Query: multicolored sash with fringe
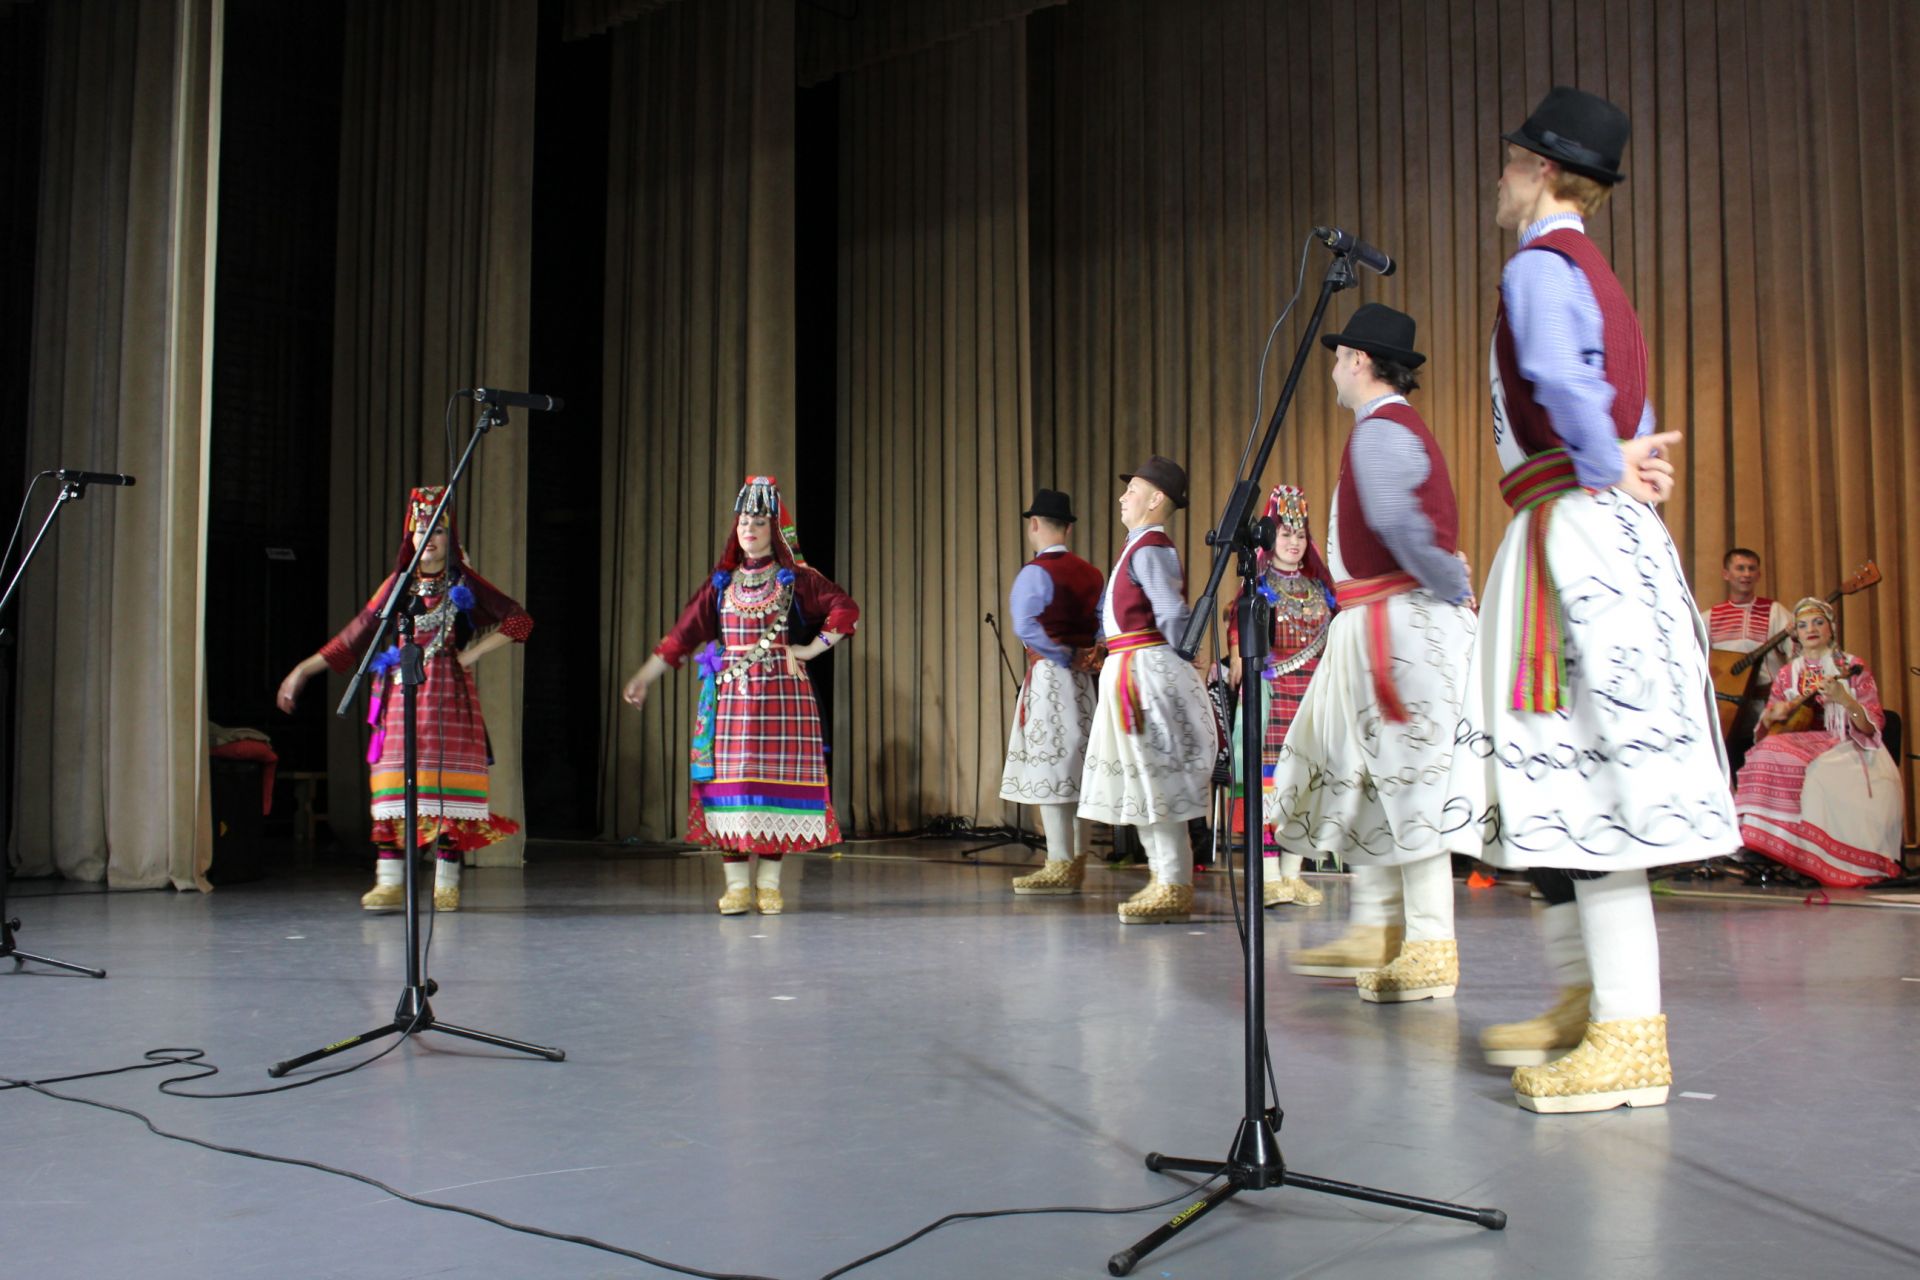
1126	644
1366	593
1539	645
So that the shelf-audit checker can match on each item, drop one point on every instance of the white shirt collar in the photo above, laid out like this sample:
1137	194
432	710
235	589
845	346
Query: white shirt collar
1145	529
1374	405
1057	549
1552	222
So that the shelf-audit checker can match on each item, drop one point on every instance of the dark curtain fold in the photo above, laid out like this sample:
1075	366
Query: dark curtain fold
934	397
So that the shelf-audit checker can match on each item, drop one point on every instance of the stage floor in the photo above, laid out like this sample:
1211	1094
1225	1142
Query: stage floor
782	1095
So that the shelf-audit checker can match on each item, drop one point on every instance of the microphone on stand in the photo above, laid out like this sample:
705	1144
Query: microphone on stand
1359	250
517	399
69	476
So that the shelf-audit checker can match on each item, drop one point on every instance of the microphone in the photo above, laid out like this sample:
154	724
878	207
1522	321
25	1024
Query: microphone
68	476
518	399
1359	250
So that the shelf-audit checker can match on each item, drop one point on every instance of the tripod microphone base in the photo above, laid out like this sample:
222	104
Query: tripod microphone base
1255	1166
20	958
414	1015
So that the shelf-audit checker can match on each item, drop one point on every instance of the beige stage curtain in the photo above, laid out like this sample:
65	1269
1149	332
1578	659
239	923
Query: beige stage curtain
434	260
1761	232
112	774
836	36
935	395
699	351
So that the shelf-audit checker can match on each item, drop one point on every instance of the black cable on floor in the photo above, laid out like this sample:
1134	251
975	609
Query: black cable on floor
195	1057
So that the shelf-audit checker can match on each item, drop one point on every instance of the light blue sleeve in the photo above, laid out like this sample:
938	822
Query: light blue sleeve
1559	343
1032	592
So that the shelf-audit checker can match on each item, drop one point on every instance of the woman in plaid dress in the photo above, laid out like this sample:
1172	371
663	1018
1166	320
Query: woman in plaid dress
1299	591
759	766
458	616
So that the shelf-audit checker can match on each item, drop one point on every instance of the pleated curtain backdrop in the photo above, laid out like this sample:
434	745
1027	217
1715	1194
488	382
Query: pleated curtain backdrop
1190	144
112	772
433	267
699	351
935	422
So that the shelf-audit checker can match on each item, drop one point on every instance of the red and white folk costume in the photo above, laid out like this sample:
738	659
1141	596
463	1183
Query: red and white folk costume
1826	802
450	610
1302	601
1053	606
1742	628
1365	770
1151	751
760	775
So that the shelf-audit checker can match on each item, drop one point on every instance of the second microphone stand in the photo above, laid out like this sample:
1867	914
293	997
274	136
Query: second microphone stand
1253	1161
70	491
414	1014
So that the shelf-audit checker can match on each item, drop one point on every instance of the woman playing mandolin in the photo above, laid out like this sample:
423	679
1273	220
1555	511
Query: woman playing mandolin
1819	791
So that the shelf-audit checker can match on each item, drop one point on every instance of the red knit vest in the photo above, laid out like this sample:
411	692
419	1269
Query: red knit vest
1625	365
1361	551
1131	608
1072	616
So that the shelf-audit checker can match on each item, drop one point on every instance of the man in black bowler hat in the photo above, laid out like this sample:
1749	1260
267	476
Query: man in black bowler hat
1364	772
1590	731
1053	607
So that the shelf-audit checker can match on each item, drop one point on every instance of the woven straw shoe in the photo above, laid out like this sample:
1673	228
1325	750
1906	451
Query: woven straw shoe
1276	893
1538	1041
1159	904
1060	875
736	902
1424	970
446	897
1360	949
768	902
383	897
1622	1063
1304	894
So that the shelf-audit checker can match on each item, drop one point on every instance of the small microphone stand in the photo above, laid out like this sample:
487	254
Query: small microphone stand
414	1014
1254	1162
1019	835
70	491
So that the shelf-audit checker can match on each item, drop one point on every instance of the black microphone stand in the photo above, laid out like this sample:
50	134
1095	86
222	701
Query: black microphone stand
414	1014
1254	1162
1018	834
70	491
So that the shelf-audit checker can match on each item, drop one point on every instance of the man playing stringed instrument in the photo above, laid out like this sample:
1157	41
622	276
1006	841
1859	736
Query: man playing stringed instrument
1746	619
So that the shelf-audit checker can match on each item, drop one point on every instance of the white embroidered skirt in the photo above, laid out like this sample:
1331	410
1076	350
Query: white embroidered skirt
1047	750
1631	771
1352	783
1161	771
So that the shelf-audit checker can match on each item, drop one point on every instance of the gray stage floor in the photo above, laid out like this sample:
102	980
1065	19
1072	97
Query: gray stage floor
782	1095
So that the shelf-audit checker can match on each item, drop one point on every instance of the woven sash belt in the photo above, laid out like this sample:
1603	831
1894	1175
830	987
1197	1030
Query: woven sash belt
1372	594
1126	644
1539	643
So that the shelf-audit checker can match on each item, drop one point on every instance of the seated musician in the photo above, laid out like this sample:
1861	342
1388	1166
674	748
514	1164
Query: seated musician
1746	618
1824	799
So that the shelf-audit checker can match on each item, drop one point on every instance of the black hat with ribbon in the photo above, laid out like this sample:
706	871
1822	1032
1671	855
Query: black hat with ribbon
1579	131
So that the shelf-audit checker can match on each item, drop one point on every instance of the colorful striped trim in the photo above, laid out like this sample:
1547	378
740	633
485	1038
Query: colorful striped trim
1539	643
1371	594
1128	641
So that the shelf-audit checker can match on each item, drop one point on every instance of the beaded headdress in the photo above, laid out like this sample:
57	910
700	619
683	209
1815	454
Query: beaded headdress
760	496
420	504
1287	508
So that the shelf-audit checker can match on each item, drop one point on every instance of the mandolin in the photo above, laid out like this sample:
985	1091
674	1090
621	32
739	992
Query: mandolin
1800	717
1736	676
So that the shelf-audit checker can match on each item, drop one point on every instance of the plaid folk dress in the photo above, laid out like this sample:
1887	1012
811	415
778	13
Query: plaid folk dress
453	760
760	775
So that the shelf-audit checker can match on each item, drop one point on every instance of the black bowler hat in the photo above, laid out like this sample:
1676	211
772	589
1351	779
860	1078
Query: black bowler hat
1166	475
1379	331
1050	504
1578	131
